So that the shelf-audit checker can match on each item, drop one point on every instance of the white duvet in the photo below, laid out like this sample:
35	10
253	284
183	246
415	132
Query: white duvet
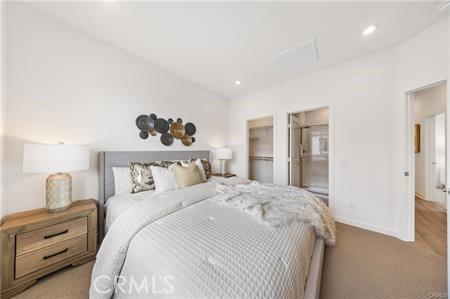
189	244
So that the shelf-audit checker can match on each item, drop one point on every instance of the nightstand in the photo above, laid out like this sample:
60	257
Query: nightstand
226	175
36	243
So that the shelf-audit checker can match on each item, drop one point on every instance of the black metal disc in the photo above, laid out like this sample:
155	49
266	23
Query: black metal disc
179	120
166	139
153	116
190	129
143	134
145	123
161	125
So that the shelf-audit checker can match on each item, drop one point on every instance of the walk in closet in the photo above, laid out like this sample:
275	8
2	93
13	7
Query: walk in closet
260	149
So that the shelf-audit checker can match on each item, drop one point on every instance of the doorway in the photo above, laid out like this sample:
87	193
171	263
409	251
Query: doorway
308	151
260	149
430	158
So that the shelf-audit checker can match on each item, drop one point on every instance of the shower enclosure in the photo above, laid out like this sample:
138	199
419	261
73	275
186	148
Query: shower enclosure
314	159
308	151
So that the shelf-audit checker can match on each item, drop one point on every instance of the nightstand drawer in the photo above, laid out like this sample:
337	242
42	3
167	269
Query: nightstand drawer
43	237
38	259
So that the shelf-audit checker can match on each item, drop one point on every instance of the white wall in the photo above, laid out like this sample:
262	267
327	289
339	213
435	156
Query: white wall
65	85
366	98
428	102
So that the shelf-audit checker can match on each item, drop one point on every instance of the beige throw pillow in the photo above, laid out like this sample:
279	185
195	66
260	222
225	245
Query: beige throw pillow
187	176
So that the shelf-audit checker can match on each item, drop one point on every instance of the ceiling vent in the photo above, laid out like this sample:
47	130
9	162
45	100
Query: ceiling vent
444	5
297	57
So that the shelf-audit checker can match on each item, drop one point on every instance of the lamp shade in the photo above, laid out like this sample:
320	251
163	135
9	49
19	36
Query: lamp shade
224	153
54	158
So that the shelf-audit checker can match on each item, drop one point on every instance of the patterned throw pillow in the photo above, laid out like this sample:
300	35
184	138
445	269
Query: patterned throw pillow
206	167
141	175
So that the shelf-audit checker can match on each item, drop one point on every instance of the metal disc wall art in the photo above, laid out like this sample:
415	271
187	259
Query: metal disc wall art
166	139
169	129
190	129
161	126
186	140
143	134
177	130
145	123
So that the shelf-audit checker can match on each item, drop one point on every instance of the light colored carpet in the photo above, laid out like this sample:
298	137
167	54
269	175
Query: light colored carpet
363	264
71	282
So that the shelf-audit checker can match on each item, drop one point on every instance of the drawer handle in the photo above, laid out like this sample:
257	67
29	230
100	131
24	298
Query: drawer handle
57	234
55	254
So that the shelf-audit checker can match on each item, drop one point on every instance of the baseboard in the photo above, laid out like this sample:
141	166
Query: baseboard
367	226
419	195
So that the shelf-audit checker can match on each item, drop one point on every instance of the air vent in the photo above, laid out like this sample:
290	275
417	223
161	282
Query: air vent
297	57
444	5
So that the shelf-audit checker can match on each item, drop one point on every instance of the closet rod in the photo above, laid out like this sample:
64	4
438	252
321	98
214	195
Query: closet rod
312	126
261	127
262	158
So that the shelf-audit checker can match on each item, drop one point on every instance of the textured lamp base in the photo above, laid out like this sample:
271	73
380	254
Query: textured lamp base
59	192
223	167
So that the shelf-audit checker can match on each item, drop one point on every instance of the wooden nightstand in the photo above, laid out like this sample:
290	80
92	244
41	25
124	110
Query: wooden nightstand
226	175
36	243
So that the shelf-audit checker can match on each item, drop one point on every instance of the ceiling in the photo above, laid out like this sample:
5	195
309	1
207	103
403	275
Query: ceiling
216	43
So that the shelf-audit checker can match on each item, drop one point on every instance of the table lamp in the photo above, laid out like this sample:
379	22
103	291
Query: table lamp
56	160
224	154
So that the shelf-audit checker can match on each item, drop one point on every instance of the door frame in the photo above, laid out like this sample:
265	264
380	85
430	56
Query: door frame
426	154
289	177
331	157
410	165
247	141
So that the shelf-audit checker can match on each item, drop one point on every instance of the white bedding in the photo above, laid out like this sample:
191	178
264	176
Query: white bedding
117	204
186	244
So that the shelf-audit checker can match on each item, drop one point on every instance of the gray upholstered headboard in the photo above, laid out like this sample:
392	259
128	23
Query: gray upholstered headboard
108	160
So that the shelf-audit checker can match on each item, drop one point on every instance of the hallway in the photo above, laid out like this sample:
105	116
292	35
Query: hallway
431	226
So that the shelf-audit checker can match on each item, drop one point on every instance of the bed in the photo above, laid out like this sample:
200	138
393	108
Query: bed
195	247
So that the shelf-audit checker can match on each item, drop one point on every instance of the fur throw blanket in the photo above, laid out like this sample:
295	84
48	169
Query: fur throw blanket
280	205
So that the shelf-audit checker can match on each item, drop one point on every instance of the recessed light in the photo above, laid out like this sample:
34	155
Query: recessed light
369	30
237	83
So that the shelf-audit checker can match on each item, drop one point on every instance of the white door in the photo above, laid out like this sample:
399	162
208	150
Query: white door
436	134
295	151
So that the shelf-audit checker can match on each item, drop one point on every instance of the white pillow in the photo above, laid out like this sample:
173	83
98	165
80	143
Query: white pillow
199	165
164	178
122	180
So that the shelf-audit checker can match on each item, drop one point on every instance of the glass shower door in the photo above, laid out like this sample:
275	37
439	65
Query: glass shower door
315	158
